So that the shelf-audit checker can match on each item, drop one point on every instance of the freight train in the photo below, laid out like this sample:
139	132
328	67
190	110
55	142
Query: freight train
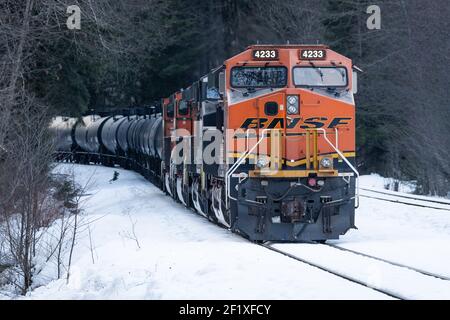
263	145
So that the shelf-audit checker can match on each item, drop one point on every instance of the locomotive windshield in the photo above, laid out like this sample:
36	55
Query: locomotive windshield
320	76
258	77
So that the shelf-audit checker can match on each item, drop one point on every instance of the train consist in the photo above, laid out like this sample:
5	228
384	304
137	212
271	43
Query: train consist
263	145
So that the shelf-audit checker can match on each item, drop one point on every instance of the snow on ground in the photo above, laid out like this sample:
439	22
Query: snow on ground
374	180
398	281
415	236
180	254
177	254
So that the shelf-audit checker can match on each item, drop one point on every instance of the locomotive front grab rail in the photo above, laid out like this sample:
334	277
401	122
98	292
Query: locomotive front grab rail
246	153
241	159
346	161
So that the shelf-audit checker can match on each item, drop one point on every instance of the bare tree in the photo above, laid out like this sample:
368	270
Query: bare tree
28	28
25	183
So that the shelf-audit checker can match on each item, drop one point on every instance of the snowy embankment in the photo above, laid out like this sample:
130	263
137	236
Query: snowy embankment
139	244
174	253
411	235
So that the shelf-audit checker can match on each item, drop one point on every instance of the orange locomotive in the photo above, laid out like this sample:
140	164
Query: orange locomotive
265	144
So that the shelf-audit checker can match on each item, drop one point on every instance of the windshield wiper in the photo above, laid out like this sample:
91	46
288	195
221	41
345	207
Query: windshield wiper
342	72
337	91
234	89
317	69
244	93
253	89
250	90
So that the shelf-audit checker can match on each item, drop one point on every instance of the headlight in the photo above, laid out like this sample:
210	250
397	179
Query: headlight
262	162
326	162
292	99
292	110
292	104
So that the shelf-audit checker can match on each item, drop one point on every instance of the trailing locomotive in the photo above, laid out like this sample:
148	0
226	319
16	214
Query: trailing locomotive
263	145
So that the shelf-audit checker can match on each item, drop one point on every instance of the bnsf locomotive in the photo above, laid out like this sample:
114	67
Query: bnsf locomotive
263	145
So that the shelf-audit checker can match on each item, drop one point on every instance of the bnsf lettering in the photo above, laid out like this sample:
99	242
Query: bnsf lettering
293	123
275	122
309	123
338	121
254	123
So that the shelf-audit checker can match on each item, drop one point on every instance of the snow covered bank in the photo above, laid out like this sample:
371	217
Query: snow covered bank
173	253
137	243
406	234
374	180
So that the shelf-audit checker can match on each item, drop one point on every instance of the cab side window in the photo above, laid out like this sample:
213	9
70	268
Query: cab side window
170	110
183	108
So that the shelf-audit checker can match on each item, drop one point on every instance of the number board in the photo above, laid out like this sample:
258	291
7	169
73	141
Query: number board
265	54
313	54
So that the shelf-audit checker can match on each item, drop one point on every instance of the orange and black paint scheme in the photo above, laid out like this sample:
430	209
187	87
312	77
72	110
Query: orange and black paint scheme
263	145
283	173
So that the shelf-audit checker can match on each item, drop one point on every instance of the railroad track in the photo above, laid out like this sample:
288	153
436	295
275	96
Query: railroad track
392	194
424	272
393	270
338	274
419	202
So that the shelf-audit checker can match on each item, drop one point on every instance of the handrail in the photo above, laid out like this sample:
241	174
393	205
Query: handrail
241	159
238	163
227	174
337	137
347	162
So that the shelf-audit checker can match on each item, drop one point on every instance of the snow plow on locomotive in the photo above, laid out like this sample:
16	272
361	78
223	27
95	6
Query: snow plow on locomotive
263	145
